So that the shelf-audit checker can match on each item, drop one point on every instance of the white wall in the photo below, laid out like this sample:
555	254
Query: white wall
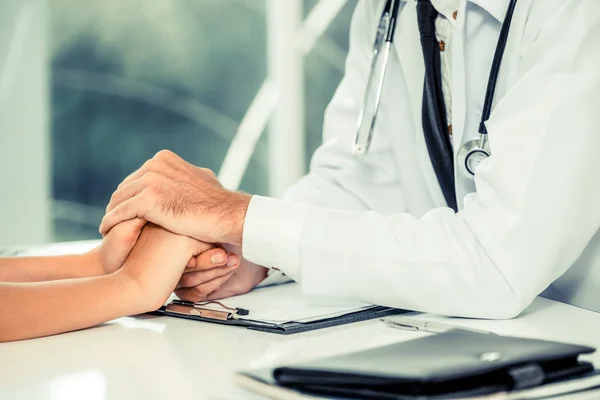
24	123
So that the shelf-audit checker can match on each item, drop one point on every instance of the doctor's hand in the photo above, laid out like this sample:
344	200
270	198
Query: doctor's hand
200	285
181	198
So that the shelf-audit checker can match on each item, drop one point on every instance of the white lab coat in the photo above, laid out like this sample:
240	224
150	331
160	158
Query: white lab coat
530	218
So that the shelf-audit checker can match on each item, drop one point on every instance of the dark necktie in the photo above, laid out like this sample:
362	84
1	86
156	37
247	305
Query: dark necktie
435	125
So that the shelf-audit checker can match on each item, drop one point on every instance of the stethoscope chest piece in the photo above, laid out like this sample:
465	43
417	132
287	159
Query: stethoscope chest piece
472	154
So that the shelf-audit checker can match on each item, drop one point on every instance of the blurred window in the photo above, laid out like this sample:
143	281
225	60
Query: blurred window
130	78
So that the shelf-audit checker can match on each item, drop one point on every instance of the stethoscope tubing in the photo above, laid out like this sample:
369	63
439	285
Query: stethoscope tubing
383	42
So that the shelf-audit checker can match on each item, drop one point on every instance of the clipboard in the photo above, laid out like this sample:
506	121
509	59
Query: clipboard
230	311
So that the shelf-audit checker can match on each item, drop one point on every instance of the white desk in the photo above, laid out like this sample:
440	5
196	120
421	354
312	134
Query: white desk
151	357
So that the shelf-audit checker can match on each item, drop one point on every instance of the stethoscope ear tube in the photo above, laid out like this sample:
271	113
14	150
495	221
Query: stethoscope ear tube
496	64
381	53
368	114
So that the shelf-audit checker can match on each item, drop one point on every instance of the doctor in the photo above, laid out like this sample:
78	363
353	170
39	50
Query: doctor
403	222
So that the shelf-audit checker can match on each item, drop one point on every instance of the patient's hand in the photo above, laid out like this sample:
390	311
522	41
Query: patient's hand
157	262
116	246
120	240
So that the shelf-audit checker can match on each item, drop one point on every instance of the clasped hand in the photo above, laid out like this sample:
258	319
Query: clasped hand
189	201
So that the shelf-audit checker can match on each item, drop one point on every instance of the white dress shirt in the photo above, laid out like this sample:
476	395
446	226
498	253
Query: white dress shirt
444	27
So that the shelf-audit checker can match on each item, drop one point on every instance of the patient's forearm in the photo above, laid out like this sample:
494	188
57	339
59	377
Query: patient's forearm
38	269
31	310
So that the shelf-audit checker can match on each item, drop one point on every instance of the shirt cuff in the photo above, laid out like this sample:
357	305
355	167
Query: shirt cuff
272	234
274	277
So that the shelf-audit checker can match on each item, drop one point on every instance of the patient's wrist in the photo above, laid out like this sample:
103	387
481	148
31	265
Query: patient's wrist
138	301
93	263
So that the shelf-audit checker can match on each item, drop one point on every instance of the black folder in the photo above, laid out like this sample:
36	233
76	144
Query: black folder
451	365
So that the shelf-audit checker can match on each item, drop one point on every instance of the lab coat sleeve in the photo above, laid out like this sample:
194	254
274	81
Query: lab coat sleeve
535	210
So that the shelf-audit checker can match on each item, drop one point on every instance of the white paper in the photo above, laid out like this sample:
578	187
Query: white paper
285	303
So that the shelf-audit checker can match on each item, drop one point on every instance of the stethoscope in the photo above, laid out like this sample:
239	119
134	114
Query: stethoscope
473	152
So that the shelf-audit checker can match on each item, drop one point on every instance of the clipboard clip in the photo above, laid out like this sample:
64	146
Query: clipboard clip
207	309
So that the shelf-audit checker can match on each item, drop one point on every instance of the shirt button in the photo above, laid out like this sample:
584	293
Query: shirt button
442	45
455	14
